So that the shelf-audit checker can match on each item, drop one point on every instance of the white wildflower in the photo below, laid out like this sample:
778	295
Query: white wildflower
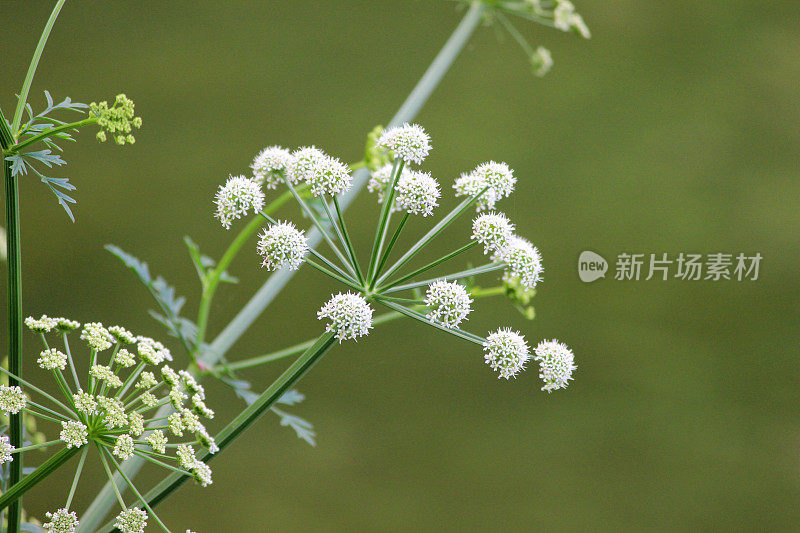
380	180
186	456
74	433
147	380
52	359
122	335
238	196
556	364
62	521
85	403
104	373
41	325
5	450
131	520
409	142
350	316
12	399
449	303
524	262
493	231
282	244
269	164
65	325
175	423
305	163
506	352
417	193
136	421
202	473
115	416
498	177
97	337
157	441
124	447
124	358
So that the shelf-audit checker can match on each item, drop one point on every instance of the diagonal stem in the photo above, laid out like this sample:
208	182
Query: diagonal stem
429	266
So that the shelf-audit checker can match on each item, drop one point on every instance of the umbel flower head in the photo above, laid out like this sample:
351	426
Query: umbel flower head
350	316
282	244
449	303
132	520
114	408
556	364
524	262
118	120
322	173
408	142
506	352
62	521
269	165
417	193
493	231
238	196
497	178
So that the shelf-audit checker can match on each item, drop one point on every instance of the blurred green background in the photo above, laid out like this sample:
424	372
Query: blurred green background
674	129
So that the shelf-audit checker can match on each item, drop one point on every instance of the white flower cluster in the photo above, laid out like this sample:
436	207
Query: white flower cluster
497	178
409	142
493	231
524	262
323	174
62	521
449	303
350	316
12	399
117	404
131	520
236	198
6	449
417	193
282	244
556	364
45	324
506	352
270	164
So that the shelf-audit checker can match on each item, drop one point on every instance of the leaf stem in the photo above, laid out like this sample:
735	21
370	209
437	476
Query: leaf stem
49	132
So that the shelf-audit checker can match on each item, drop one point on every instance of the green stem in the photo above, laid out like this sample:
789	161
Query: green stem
213	278
247	417
71	363
491	267
333	274
138	494
320	227
110	476
77	476
429	266
50	132
422	318
15	492
37	54
14	261
35	446
428	237
383	223
346	237
392	242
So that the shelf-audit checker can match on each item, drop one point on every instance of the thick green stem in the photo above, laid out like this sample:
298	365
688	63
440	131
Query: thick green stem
14	260
247	417
37	55
15	492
